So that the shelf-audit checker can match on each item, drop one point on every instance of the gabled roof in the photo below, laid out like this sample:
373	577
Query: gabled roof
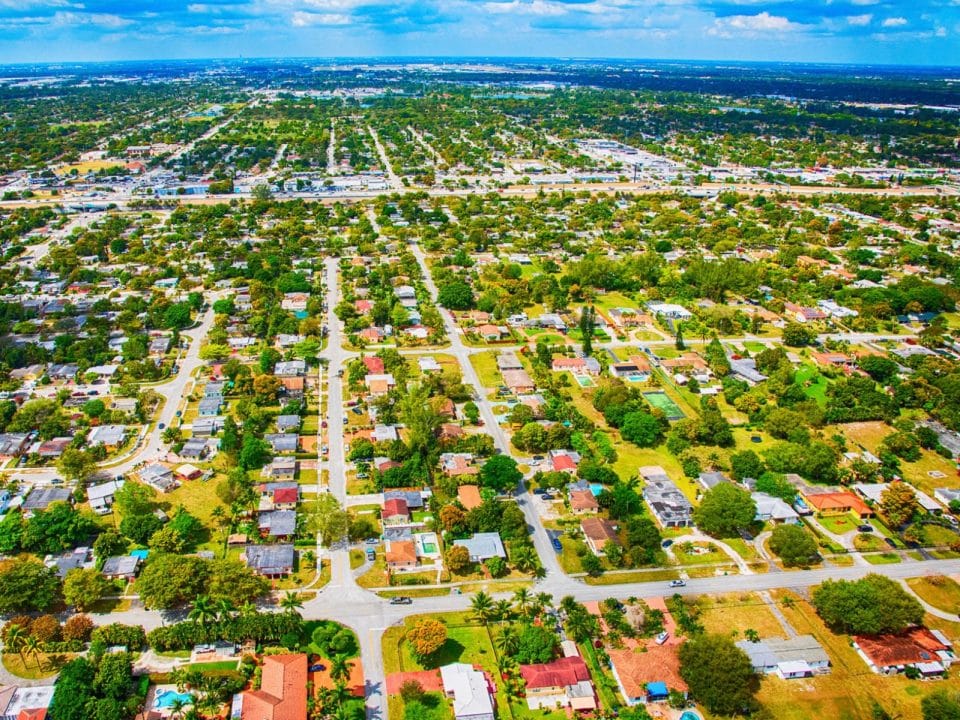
283	690
559	673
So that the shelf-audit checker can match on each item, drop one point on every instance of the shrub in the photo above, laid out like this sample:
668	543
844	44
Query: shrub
129	636
78	627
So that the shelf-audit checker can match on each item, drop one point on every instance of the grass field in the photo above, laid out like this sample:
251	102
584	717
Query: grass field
940	591
737	613
813	383
485	364
850	690
37	667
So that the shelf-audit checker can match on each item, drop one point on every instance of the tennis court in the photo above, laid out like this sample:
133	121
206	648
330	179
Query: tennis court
662	401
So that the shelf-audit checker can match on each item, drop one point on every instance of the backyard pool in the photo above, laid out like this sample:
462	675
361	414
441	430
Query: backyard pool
596	489
584	381
689	715
167	699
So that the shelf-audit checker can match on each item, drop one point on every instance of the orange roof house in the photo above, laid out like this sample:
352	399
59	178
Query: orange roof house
583	501
401	554
837	503
469	496
597	532
634	670
929	651
283	690
374	364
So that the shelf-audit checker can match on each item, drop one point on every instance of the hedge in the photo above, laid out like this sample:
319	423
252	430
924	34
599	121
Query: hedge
262	627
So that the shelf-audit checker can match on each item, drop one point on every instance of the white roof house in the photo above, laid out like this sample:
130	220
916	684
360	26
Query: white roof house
101	496
874	492
483	546
469	690
109	435
773	508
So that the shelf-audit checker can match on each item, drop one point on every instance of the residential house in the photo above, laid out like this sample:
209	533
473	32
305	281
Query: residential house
927	650
773	509
194	449
272	561
709	480
598	532
290	368
159	477
470	691
287	423
946	495
518	381
110	436
100	496
207	427
873	493
281	468
395	512
576	365
669	310
379	384
279	496
413	498
458	464
428	364
81	557
508	361
374	364
187	472
25	703
283	442
282	694
40	498
837	503
401	555
54	448
469	496
13	445
746	369
667	503
384	433
648	676
565	461
492	333
583	502
797	657
280	524
293	387
563	683
483	546
121	567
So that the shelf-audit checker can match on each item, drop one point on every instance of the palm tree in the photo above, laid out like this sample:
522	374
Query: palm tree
482	606
503	610
508	642
32	646
751	635
248	609
522	599
340	667
202	611
224	609
291	603
544	600
15	640
525	558
177	708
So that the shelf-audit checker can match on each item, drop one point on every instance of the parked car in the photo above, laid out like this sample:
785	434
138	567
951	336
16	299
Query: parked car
319	667
864	528
401	600
540	491
666	543
677	583
662	637
547	497
161	425
557	545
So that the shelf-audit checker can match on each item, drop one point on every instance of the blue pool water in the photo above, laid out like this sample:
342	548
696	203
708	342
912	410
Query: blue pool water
689	715
596	488
166	698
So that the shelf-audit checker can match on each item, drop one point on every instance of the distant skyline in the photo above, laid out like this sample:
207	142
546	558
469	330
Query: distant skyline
922	32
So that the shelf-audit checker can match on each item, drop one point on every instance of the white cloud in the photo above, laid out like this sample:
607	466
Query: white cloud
539	8
894	22
309	19
859	20
101	20
753	26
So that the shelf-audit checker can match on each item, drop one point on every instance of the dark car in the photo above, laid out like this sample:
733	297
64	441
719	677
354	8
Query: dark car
317	668
557	545
666	543
547	496
161	425
401	600
540	491
865	528
890	542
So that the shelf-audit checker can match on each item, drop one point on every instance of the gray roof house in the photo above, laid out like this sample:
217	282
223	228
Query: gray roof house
798	657
159	477
278	523
483	546
194	449
121	566
41	498
210	406
282	442
667	503
101	496
269	560
288	422
414	498
107	435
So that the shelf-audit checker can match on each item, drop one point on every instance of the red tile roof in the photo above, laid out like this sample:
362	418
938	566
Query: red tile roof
374	364
394	507
559	673
283	690
286	495
917	645
583	500
838	501
563	462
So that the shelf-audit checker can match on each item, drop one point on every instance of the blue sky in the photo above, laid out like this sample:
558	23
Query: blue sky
922	32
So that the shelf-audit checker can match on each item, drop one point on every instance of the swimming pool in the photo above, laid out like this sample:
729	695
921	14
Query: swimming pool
689	715
166	698
584	381
596	489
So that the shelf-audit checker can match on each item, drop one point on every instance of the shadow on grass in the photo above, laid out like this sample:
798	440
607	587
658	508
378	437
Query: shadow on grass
451	652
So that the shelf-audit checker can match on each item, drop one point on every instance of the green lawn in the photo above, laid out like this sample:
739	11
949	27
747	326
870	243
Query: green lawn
882	558
938	590
813	383
838	524
485	364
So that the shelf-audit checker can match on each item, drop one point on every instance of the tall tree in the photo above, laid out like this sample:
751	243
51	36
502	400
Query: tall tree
719	674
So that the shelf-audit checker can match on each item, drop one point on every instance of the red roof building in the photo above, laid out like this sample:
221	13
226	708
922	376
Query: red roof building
283	690
562	683
395	511
374	364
